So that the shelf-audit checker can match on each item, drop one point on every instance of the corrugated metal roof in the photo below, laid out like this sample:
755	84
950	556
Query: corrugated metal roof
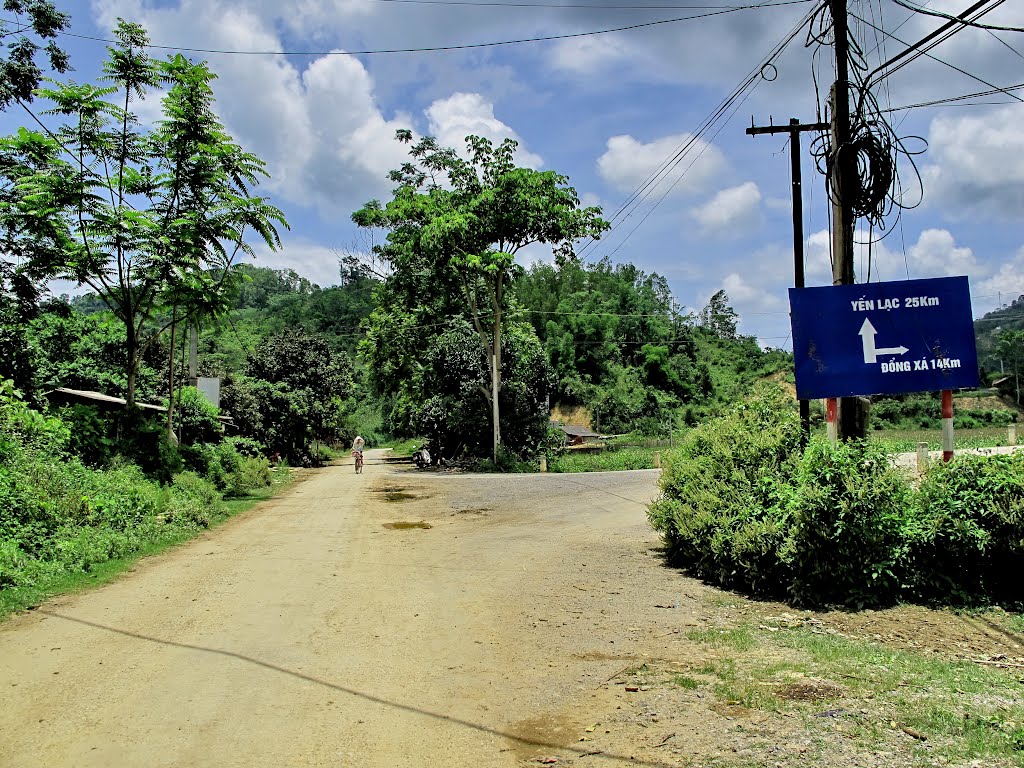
98	397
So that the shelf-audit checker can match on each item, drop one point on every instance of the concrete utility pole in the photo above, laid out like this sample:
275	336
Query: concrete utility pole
793	129
852	417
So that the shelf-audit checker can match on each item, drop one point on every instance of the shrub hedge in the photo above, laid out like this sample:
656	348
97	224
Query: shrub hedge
59	516
742	506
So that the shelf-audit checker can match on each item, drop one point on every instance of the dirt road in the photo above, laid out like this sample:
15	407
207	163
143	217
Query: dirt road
313	632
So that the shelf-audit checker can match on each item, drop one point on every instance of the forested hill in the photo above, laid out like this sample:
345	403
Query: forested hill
607	341
1000	336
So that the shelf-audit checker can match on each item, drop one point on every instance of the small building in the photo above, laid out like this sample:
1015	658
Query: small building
577	434
65	396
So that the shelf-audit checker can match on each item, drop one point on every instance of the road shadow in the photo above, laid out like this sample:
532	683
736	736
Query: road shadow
579	752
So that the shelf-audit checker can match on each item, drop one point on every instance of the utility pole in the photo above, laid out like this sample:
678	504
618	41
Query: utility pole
852	413
793	129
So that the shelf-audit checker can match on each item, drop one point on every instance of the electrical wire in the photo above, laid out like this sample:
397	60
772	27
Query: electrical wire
656	178
440	48
950	17
948	64
579	6
952	100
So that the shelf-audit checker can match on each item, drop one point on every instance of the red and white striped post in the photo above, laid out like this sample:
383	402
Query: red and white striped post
831	414
947	424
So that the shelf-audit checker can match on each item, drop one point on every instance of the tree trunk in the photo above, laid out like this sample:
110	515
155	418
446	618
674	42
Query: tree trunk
132	351
170	380
496	368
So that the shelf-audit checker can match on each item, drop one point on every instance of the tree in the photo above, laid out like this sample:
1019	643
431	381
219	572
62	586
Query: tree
294	392
19	71
464	220
1010	347
719	318
151	221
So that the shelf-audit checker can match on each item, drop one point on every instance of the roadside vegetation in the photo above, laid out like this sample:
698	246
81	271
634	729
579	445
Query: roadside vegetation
62	517
820	697
744	507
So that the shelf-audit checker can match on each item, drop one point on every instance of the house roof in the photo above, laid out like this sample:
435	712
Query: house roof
63	394
577	430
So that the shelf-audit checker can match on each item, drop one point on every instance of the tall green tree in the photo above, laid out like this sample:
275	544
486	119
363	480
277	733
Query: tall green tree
466	219
152	221
37	24
1010	348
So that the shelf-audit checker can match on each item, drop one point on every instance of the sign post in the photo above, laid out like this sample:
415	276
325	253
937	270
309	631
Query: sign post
883	338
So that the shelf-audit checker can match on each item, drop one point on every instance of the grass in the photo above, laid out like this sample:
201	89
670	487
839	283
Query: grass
20	598
906	440
403	447
965	712
606	461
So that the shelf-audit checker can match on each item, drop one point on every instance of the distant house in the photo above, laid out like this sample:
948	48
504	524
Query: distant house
576	434
65	396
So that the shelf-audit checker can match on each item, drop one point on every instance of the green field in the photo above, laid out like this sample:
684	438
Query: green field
906	440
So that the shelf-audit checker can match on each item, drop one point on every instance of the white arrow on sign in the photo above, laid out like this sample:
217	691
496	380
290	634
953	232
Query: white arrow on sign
867	336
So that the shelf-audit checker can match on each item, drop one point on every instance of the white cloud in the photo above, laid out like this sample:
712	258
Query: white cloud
976	163
627	163
588	55
315	262
752	298
936	254
460	115
733	211
1007	282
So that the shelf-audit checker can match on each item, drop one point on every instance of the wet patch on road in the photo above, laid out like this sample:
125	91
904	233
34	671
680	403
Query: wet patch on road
405	526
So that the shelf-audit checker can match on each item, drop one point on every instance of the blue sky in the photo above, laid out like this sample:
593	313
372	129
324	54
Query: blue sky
607	110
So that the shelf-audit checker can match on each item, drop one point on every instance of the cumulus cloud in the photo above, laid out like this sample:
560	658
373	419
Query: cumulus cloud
1006	282
460	115
976	163
315	262
627	163
733	211
936	254
588	55
744	294
317	123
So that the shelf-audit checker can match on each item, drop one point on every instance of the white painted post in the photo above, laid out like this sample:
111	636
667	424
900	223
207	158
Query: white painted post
1011	434
922	457
657	459
543	463
947	424
831	412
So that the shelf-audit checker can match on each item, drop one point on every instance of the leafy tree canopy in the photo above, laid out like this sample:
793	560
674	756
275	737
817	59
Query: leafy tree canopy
454	227
149	220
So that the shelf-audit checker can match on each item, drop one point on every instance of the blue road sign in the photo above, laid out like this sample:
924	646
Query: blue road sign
883	338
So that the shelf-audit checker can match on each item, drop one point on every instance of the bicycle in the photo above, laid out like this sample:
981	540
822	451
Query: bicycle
358	461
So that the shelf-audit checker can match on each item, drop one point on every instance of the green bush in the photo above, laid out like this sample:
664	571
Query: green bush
250	475
193	501
969	528
846	540
723	503
197	419
742	507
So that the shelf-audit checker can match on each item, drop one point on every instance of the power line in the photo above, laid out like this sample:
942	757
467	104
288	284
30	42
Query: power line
439	48
953	99
579	6
934	58
950	17
665	168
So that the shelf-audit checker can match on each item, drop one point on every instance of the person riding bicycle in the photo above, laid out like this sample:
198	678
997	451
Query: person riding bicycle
357	451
